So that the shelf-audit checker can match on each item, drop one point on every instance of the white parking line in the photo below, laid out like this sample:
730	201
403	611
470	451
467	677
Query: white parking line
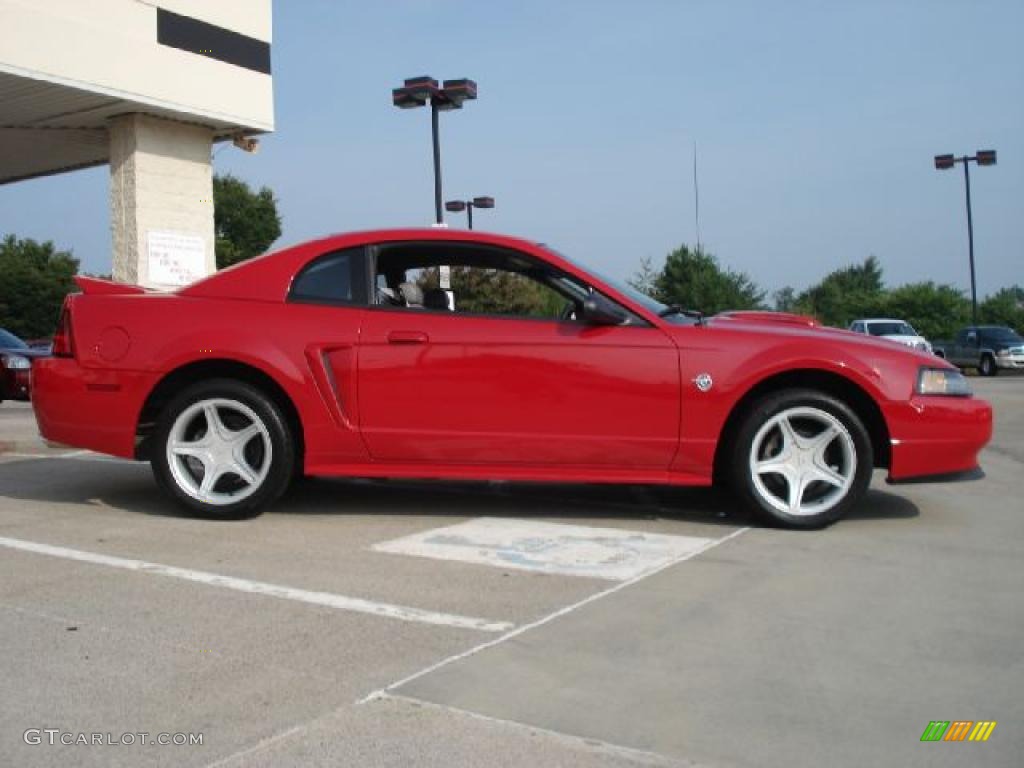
82	455
327	599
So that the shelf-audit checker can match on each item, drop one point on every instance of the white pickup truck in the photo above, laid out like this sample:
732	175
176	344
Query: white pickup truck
895	330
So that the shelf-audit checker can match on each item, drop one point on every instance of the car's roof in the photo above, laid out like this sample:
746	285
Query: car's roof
267	277
880	320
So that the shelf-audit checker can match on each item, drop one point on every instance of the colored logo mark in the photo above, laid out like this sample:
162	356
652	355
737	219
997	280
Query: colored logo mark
958	730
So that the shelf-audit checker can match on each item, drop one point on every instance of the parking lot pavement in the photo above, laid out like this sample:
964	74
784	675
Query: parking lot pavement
383	623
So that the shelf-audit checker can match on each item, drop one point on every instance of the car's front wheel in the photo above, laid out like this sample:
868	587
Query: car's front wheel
987	366
223	450
801	459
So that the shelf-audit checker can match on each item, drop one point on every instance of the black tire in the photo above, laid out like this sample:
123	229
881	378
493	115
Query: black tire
279	465
987	366
804	405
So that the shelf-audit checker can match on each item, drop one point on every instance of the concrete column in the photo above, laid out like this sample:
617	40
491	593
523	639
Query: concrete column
161	201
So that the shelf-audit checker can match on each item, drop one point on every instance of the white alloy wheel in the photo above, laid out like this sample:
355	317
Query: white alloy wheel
219	451
803	461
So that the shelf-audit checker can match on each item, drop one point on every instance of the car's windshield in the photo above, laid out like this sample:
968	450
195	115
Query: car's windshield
10	341
1001	336
891	329
630	292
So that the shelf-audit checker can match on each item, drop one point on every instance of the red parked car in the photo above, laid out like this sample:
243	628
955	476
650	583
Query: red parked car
346	357
16	367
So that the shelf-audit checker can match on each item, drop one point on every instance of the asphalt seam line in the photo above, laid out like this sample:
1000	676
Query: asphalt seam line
325	599
546	619
640	756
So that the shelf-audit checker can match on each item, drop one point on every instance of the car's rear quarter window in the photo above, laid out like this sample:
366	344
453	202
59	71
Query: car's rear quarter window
338	277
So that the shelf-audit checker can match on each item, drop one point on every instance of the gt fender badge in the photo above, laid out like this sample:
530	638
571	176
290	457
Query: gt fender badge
703	381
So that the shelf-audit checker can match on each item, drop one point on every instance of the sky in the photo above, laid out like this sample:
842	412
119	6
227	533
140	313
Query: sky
815	125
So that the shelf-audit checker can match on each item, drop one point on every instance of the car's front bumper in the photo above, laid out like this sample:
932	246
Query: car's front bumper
933	436
1010	362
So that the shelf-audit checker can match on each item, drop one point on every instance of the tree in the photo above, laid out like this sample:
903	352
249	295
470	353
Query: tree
1005	307
497	292
785	299
246	223
845	294
645	279
34	279
935	311
693	279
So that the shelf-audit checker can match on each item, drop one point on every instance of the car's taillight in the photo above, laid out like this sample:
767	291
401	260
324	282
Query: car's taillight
64	339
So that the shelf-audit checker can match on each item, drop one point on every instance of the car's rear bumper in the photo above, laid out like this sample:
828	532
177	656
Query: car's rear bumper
85	408
932	436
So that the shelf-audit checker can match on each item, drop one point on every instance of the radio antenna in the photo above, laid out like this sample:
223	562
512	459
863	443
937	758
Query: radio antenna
696	195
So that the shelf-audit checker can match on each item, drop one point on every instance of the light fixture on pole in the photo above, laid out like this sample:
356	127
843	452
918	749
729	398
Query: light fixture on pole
420	91
944	163
456	206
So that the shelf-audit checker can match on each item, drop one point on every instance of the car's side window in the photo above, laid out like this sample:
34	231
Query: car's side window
858	327
471	279
495	291
972	338
338	277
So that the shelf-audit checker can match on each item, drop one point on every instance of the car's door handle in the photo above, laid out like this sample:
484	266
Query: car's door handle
407	337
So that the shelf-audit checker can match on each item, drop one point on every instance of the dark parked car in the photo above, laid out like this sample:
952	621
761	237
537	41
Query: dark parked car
16	366
989	348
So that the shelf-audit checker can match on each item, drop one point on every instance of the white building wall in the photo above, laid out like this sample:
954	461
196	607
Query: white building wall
161	184
97	66
110	47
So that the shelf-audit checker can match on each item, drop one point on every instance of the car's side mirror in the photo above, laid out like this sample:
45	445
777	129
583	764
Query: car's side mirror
597	310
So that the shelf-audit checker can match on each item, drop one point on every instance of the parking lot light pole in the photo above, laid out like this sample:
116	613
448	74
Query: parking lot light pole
944	163
420	91
455	206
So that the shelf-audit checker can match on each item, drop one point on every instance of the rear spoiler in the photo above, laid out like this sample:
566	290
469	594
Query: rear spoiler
98	287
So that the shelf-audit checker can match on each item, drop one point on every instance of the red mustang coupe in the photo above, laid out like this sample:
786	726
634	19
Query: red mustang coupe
445	354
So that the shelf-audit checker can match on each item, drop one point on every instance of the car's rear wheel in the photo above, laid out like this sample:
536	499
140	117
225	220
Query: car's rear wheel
223	450
801	459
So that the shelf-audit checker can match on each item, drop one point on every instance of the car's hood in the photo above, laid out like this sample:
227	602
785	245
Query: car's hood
785	326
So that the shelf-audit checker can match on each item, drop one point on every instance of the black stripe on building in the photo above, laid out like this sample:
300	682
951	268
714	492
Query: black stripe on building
188	34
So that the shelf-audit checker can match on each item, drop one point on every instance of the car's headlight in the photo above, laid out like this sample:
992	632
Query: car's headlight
942	381
15	362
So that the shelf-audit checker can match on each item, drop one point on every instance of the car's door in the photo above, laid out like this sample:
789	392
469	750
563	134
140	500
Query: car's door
327	300
968	350
444	387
